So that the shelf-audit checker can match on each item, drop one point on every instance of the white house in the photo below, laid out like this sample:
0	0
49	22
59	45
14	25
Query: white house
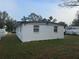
72	30
33	31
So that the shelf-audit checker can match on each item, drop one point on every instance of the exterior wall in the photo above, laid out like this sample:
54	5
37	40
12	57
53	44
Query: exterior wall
45	32
19	32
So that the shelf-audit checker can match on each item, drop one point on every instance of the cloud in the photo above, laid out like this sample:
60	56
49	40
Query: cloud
66	14
48	9
45	8
7	5
10	6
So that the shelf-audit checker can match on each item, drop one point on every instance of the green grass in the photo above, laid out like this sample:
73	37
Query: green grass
12	48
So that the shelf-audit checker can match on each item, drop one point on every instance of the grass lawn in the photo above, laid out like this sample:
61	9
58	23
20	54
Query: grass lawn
12	48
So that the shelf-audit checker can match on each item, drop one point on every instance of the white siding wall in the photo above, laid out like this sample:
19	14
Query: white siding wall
45	32
19	32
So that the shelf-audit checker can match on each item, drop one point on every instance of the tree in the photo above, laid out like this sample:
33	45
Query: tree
10	23
6	20
24	18
44	20
50	17
70	3
35	17
62	23
3	17
75	21
54	20
32	17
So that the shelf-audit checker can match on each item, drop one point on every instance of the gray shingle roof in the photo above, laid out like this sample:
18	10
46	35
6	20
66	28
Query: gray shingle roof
29	22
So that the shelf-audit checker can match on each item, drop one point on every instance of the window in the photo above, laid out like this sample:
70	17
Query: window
55	28
36	28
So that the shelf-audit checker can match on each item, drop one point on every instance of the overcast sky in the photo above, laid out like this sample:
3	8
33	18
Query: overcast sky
45	8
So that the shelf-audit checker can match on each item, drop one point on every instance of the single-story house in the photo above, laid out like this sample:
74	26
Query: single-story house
72	30
35	30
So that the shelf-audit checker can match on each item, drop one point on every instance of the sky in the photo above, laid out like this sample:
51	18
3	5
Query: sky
19	8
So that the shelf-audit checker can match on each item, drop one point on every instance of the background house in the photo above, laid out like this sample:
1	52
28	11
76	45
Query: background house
72	30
